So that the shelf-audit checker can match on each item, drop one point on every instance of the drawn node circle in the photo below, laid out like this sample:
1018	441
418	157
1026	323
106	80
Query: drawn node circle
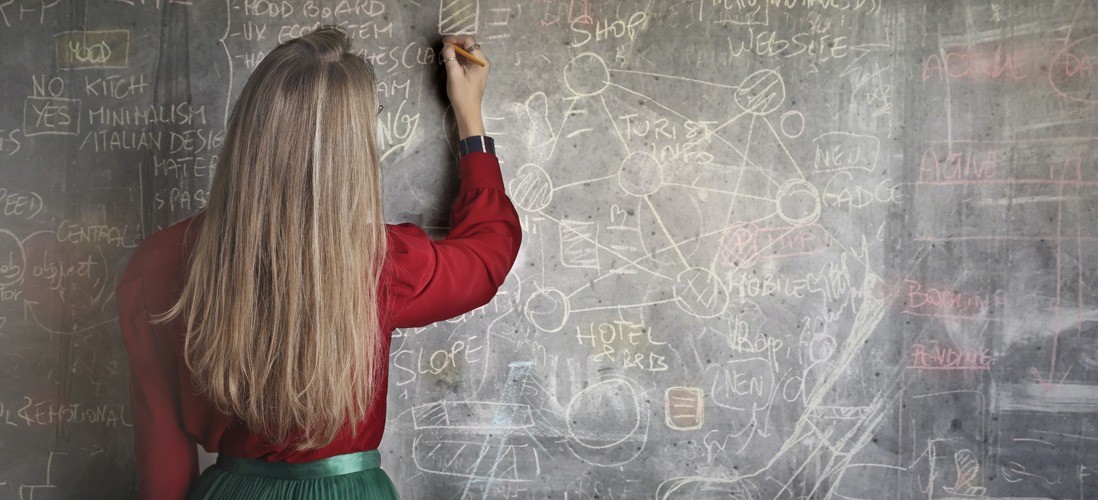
11	272
738	246
1073	60
640	174
531	188
821	347
792	124
733	488
761	92
700	293
605	414
587	75
798	202
670	215
547	309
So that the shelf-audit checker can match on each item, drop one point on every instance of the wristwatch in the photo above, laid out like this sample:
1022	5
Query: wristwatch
476	144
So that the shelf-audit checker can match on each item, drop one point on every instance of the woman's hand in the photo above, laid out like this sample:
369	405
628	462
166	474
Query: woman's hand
465	81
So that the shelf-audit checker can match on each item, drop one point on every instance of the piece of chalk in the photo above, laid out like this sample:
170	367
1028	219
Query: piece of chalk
467	55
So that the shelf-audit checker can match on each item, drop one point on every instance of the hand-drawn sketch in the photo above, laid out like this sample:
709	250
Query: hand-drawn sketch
811	249
458	17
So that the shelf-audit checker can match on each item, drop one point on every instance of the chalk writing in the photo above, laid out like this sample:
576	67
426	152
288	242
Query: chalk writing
934	356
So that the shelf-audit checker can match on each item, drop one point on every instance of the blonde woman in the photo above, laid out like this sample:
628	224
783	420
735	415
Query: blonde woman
259	328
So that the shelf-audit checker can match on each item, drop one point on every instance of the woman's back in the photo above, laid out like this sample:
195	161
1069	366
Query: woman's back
418	281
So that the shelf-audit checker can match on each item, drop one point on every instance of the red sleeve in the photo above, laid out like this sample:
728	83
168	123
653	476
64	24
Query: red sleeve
437	280
167	458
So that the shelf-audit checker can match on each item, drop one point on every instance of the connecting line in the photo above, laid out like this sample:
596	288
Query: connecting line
610	116
582	288
721	230
556	134
1059	272
725	124
659	220
509	393
577	183
1074	18
713	132
952	316
1079	287
739	182
723	140
1072	436
868	424
653	101
864	261
617	270
75	331
812	454
1000	182
787	153
722	191
868	318
747	161
623	306
610	250
938	239
733	87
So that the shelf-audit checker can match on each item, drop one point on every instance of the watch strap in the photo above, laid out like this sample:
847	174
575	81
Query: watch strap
476	144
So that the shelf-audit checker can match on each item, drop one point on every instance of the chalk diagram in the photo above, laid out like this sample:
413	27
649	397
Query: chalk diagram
676	226
56	279
607	423
488	443
697	289
680	225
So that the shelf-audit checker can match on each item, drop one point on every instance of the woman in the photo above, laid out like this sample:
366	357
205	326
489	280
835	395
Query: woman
260	327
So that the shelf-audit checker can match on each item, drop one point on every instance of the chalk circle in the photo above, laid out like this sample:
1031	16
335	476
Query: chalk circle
707	488
792	120
586	75
700	293
12	259
821	347
739	246
605	414
531	188
640	174
547	309
798	202
1071	64
761	92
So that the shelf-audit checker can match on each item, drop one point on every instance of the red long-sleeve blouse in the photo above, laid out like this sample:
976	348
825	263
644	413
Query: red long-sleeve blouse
424	281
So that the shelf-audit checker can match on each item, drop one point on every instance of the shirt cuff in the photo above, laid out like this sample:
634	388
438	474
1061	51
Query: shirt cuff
480	171
476	143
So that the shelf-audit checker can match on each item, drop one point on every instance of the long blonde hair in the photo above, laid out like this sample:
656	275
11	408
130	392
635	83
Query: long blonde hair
281	299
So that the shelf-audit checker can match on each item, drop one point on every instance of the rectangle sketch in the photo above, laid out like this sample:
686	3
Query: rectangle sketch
51	115
684	408
472	415
458	17
578	247
837	151
92	49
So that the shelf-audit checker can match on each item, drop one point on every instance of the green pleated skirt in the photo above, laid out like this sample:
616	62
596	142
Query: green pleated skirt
351	476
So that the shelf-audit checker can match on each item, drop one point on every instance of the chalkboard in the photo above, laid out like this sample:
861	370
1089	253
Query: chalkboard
826	249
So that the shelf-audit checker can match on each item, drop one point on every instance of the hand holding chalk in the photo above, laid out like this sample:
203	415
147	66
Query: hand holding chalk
468	56
466	78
